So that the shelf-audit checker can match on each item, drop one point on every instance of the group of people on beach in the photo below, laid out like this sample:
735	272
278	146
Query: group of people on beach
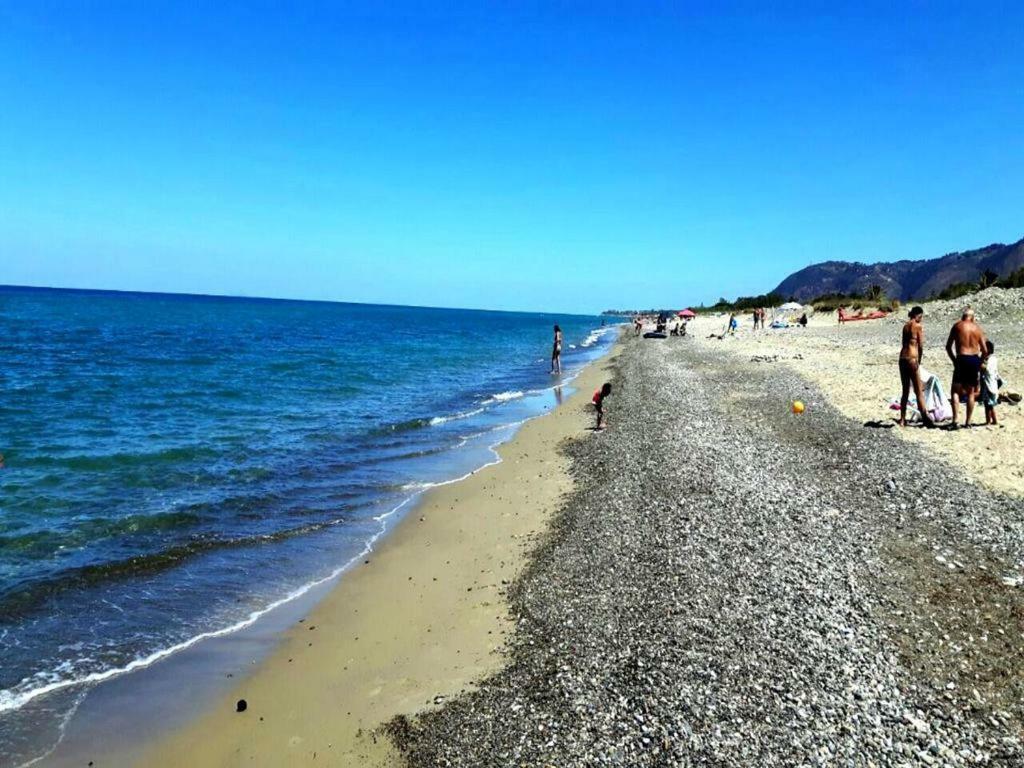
975	368
760	318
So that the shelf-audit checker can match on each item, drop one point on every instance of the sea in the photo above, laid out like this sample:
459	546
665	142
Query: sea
176	467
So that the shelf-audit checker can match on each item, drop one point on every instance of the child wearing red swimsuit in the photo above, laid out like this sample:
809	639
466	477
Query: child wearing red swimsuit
598	400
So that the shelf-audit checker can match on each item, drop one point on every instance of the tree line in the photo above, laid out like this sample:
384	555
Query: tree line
873	295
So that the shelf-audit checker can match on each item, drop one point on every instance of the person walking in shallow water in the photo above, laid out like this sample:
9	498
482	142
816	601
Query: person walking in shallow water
556	352
910	366
968	340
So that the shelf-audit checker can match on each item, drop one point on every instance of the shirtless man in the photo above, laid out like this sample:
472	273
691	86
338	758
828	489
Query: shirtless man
910	366
969	340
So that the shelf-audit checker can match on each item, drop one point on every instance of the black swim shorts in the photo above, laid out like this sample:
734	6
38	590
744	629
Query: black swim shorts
967	370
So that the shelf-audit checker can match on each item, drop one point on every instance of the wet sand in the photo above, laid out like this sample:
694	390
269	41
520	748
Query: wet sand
418	622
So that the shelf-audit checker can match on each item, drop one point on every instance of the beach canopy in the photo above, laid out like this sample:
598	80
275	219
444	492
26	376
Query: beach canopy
687	313
791	306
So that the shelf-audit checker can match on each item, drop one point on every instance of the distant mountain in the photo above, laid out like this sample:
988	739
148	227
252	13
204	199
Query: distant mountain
903	280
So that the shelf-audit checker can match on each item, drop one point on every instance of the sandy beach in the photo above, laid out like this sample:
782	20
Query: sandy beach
712	580
420	621
855	366
732	584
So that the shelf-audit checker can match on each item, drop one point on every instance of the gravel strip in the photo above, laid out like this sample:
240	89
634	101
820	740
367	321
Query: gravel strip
730	584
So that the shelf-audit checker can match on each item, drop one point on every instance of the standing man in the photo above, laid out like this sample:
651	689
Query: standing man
968	339
910	366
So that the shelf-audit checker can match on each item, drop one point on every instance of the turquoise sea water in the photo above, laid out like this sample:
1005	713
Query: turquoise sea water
177	465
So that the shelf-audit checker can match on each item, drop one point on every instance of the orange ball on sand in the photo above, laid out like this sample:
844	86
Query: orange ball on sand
798	407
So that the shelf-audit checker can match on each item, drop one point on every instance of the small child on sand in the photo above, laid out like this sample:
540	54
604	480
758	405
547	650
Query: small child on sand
599	396
990	383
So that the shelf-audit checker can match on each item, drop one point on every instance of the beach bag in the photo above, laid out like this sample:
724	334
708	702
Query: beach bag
935	401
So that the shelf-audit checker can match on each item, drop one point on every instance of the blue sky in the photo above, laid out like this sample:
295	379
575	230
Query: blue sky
559	156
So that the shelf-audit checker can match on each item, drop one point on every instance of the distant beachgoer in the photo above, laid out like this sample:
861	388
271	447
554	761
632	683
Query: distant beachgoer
968	340
637	325
599	397
910	366
803	320
989	385
757	318
733	324
556	352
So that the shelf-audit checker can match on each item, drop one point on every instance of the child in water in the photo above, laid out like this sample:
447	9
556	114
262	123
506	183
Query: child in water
599	397
990	383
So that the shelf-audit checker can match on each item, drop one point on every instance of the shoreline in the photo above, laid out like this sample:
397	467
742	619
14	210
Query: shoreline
305	591
226	471
731	584
391	649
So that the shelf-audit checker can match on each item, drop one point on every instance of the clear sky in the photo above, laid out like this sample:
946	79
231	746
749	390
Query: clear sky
555	156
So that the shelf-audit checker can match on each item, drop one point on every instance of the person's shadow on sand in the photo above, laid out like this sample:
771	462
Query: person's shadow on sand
879	424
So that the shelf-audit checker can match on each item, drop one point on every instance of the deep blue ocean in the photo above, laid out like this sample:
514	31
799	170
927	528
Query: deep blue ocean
177	465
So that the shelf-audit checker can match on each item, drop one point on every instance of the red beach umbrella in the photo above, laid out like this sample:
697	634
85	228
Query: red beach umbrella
687	313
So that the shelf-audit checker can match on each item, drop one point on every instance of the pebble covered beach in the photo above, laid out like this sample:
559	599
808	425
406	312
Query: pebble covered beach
732	584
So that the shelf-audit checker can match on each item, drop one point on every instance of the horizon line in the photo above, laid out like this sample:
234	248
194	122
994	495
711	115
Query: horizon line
244	297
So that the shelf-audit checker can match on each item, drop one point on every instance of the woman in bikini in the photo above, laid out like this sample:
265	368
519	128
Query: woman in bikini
556	352
910	366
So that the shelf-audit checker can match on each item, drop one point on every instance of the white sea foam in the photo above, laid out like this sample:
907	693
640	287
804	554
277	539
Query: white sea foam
418	488
61	730
454	417
595	336
41	684
502	397
34	687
